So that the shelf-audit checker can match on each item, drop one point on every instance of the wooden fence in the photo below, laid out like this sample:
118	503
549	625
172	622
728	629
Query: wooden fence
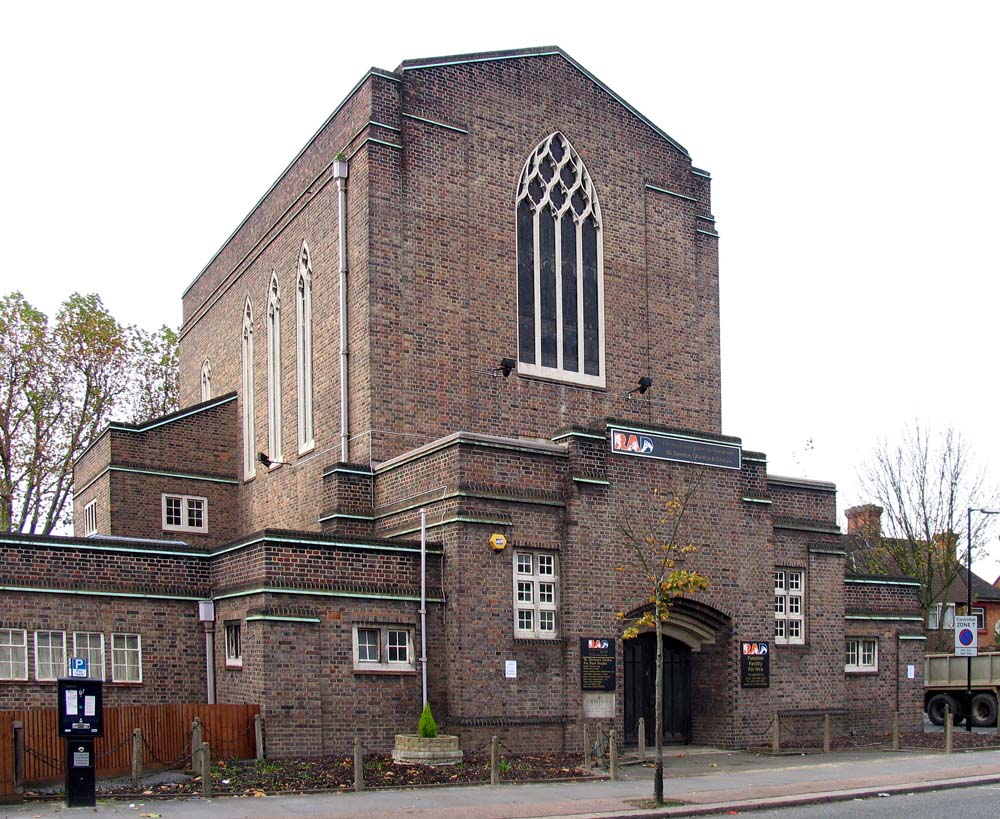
166	737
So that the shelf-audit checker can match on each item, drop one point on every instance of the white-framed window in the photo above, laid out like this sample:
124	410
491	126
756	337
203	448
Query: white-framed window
303	350
206	380
536	594
861	655
941	615
560	267
980	614
789	607
126	658
90	519
234	643
274	425
384	648
50	655
185	513
249	456
13	654
90	644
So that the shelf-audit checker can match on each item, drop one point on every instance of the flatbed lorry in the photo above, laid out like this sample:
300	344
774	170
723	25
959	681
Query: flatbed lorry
946	683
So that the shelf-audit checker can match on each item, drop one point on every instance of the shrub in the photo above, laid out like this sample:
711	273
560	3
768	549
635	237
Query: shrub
427	727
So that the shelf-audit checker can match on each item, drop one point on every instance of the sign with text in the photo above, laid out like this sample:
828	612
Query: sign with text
967	636
755	665
666	447
597	664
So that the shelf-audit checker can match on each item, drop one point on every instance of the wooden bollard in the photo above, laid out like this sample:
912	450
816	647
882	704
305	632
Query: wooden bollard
136	757
196	740
359	766
642	739
258	732
206	769
586	747
776	735
494	761
826	733
613	753
949	725
895	731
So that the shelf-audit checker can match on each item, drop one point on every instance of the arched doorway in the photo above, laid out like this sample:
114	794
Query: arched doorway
640	689
691	625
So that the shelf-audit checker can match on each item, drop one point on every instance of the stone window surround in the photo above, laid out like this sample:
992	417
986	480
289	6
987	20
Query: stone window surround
188	503
233	637
535	594
789	606
861	655
387	636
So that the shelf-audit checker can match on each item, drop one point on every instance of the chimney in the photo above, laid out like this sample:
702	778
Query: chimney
865	521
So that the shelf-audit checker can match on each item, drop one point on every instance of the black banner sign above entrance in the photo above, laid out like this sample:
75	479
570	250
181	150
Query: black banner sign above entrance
666	447
755	665
597	664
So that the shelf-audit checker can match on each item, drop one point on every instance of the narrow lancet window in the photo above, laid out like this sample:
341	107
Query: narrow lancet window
274	430
303	350
206	380
249	461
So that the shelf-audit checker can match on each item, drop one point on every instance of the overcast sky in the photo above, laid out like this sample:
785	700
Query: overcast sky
854	149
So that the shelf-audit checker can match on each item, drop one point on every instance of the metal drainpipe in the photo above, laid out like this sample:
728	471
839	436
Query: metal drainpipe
210	660
340	170
423	601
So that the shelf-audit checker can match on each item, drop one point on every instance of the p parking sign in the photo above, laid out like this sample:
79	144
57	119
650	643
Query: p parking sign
78	666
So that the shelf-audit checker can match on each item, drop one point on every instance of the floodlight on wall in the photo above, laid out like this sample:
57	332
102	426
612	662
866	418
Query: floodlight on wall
507	366
262	458
644	384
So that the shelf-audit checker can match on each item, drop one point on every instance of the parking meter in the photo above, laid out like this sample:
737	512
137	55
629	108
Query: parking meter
81	719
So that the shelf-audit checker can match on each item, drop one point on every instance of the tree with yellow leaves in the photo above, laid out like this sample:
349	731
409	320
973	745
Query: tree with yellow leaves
660	550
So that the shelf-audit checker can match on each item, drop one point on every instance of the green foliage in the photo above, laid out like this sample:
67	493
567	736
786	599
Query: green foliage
427	727
60	385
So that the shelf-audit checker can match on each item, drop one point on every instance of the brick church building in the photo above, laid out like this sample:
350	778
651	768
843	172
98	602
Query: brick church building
463	336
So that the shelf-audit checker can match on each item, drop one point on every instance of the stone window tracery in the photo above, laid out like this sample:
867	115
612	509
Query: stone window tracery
560	267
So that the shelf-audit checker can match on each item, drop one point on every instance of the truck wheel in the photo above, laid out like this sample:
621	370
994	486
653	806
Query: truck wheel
984	710
938	705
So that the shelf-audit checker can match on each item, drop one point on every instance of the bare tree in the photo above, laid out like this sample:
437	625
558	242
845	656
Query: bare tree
660	551
925	483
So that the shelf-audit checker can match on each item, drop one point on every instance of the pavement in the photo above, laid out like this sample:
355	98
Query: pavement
706	781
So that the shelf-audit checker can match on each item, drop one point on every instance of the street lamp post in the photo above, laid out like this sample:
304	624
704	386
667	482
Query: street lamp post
968	611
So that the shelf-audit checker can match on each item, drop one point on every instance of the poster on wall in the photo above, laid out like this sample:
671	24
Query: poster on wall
597	664
755	665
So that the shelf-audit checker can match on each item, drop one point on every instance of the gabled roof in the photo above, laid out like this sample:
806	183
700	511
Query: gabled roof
527	53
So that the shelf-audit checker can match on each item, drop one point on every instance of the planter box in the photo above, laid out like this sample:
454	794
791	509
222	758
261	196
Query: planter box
415	749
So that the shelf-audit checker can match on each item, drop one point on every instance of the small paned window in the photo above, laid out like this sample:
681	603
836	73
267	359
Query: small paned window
384	648
980	614
50	655
535	595
126	658
560	267
13	654
234	643
185	513
789	607
90	519
90	645
941	616
861	655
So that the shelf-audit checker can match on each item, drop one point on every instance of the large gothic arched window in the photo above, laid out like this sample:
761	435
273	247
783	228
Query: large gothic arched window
303	350
560	270
274	403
